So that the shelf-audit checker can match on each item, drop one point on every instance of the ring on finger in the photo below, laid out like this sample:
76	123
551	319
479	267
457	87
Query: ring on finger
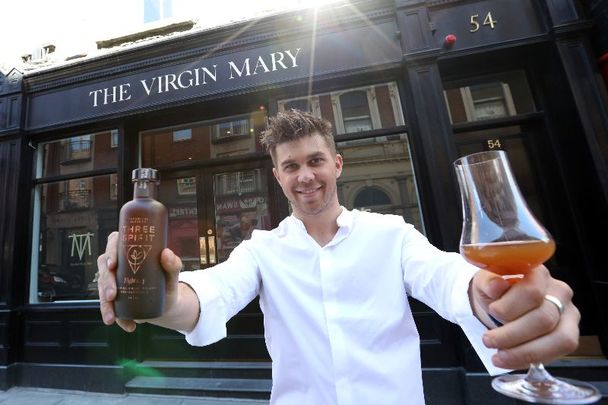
555	301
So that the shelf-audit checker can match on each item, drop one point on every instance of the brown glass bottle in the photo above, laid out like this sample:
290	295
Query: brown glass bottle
142	237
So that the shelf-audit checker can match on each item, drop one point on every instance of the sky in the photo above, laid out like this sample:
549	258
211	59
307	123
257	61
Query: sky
74	26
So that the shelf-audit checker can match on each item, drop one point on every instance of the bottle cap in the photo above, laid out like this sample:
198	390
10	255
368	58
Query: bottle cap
144	173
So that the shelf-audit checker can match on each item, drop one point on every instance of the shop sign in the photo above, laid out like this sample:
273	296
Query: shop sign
209	75
183	212
239	204
71	220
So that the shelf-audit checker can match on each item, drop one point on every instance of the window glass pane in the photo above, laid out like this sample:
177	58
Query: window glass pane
358	112
209	140
488	97
379	176
241	205
179	196
182	135
302	104
73	220
78	154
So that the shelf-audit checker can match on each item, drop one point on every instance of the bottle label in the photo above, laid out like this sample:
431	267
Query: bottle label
137	238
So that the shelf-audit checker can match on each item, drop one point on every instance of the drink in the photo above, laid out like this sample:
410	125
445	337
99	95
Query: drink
509	258
142	237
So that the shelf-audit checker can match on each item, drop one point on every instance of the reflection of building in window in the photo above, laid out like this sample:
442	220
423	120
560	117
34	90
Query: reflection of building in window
371	197
229	136
114	138
113	186
379	177
76	195
72	217
78	148
237	183
353	110
186	186
354	107
182	135
230	129
489	97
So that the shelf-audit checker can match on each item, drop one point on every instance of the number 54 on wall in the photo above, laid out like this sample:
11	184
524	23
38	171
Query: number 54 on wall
487	21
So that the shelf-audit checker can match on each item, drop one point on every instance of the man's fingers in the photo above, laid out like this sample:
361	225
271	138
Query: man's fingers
563	339
525	295
536	323
126	325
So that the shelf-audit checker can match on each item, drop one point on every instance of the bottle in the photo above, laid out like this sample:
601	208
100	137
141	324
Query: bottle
142	237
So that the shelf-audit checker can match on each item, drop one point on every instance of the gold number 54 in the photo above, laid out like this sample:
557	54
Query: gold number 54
488	20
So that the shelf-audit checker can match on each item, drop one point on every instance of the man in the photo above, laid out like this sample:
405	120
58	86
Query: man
333	288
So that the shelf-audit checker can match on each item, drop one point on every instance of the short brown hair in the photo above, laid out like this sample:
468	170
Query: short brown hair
292	125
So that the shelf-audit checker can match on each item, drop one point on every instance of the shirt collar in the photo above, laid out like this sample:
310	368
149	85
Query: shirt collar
344	221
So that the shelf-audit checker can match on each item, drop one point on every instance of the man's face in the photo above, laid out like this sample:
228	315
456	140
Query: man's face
307	171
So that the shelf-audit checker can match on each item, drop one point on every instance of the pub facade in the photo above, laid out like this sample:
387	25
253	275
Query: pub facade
408	85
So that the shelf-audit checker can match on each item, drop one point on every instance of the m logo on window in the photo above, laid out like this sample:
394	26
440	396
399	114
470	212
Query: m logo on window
81	243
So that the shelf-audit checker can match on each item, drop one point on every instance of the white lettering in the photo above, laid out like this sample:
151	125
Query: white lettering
170	81
212	75
234	68
145	84
261	63
124	91
293	57
276	60
179	79
94	93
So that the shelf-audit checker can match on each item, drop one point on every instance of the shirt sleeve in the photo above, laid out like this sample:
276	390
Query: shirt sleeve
441	280
222	291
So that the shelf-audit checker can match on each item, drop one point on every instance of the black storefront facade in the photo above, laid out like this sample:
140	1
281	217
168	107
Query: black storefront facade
408	86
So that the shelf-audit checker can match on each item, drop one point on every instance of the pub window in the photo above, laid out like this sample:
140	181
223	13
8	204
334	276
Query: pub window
182	135
75	209
488	97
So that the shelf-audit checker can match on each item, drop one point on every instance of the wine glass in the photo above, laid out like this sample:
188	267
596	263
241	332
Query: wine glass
501	235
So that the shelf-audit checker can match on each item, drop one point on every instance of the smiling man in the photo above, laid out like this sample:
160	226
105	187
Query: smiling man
333	286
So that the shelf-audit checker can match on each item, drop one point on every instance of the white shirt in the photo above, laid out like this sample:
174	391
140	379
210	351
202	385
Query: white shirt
337	322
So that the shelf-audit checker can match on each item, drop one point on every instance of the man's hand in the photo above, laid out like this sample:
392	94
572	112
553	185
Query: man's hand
181	303
534	330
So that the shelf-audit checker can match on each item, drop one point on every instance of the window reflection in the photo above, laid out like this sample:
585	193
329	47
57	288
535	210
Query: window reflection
379	176
241	205
488	97
72	218
353	110
73	225
230	136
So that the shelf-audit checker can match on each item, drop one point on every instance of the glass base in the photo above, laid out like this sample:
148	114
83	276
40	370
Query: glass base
546	391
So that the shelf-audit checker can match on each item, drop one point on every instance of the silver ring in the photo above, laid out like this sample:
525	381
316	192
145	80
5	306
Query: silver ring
554	300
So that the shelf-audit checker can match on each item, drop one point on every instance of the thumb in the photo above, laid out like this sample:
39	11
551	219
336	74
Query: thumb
486	288
172	265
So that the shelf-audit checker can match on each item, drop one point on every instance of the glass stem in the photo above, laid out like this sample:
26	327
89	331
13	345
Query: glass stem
537	374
